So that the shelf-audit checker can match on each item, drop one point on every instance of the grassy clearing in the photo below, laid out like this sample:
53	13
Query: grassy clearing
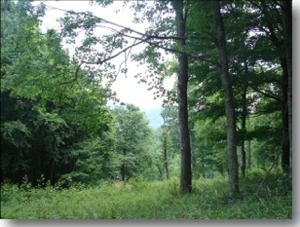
271	199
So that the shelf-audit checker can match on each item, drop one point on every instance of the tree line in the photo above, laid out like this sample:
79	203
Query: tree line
233	92
54	128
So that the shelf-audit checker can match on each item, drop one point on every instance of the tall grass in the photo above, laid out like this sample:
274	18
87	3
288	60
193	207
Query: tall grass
150	200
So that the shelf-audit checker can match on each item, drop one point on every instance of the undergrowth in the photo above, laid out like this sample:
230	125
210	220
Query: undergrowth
261	198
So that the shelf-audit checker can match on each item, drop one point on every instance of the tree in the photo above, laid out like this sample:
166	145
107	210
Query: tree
253	64
185	147
229	101
271	24
286	8
133	133
209	148
115	43
169	134
49	122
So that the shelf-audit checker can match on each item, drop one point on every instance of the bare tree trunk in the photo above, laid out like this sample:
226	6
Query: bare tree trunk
229	102
186	170
287	26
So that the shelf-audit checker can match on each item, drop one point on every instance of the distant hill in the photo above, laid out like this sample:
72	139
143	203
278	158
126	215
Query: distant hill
153	115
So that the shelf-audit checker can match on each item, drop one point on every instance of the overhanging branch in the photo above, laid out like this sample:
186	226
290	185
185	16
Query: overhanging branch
142	37
99	62
266	94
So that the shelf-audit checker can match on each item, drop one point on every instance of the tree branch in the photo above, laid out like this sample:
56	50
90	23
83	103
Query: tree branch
143	39
76	75
99	62
265	94
101	20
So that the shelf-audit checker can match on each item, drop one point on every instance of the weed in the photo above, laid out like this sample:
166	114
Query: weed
149	200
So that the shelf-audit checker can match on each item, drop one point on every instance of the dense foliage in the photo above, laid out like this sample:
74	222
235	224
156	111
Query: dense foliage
227	118
55	126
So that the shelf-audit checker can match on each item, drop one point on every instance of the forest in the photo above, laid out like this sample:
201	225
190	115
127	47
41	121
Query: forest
72	149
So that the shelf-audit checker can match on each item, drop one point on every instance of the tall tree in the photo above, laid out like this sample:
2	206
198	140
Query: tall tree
229	100
272	22
286	9
156	38
186	170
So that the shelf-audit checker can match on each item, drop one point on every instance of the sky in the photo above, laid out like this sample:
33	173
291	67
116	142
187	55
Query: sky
126	86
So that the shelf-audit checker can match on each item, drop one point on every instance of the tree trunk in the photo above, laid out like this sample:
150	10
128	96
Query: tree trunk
52	168
243	128
287	26
165	151
243	158
229	102
160	172
123	172
249	154
186	170
243	121
285	154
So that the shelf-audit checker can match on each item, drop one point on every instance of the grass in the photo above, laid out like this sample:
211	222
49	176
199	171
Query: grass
261	198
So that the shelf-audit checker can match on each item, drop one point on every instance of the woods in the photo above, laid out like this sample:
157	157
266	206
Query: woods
227	119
